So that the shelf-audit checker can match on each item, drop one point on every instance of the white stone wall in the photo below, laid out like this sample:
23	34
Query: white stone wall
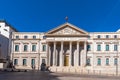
5	39
93	54
38	55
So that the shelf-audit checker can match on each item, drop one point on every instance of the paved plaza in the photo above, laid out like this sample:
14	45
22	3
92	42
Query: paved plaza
51	76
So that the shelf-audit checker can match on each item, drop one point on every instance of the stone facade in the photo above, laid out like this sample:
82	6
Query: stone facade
68	48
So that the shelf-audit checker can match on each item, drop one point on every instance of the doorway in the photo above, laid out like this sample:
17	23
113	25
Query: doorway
66	60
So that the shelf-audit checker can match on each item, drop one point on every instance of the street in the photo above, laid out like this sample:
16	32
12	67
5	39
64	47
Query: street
51	76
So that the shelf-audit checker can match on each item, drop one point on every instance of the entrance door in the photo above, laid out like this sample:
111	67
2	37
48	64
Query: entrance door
66	60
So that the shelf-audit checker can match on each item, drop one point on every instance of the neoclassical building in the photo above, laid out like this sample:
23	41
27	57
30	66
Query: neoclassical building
67	48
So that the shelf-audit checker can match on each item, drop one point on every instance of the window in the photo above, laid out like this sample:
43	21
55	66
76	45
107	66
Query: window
15	61
44	47
25	37
99	47
88	61
115	61
16	48
88	37
33	47
43	61
24	62
17	37
107	47
107	61
5	30
88	47
98	36
107	36
25	47
99	61
32	62
44	37
115	36
115	47
34	37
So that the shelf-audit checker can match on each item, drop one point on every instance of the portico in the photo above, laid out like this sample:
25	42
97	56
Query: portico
66	46
67	53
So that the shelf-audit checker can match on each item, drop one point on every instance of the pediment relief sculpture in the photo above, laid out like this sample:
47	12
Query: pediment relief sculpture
67	29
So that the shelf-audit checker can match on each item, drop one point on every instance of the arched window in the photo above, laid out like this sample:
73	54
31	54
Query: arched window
24	62
107	61
99	61
32	62
25	47
99	47
115	61
16	48
15	61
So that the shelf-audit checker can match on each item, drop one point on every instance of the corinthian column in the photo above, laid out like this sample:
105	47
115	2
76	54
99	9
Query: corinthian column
61	55
85	52
77	55
54	53
70	53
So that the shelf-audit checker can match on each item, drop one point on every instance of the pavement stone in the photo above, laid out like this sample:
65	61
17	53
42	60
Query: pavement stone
39	75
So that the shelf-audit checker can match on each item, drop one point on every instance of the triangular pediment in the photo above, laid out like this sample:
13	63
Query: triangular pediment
66	29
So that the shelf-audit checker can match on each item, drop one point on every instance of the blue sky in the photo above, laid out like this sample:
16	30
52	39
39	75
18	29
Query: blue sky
43	15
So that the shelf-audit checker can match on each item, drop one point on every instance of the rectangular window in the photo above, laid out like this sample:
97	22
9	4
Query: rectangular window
32	62
115	47
34	37
25	47
107	36
107	61
107	47
33	47
88	61
5	29
17	37
24	62
115	61
25	37
98	36
16	48
43	61
44	47
15	61
115	36
44	37
99	47
88	47
99	61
